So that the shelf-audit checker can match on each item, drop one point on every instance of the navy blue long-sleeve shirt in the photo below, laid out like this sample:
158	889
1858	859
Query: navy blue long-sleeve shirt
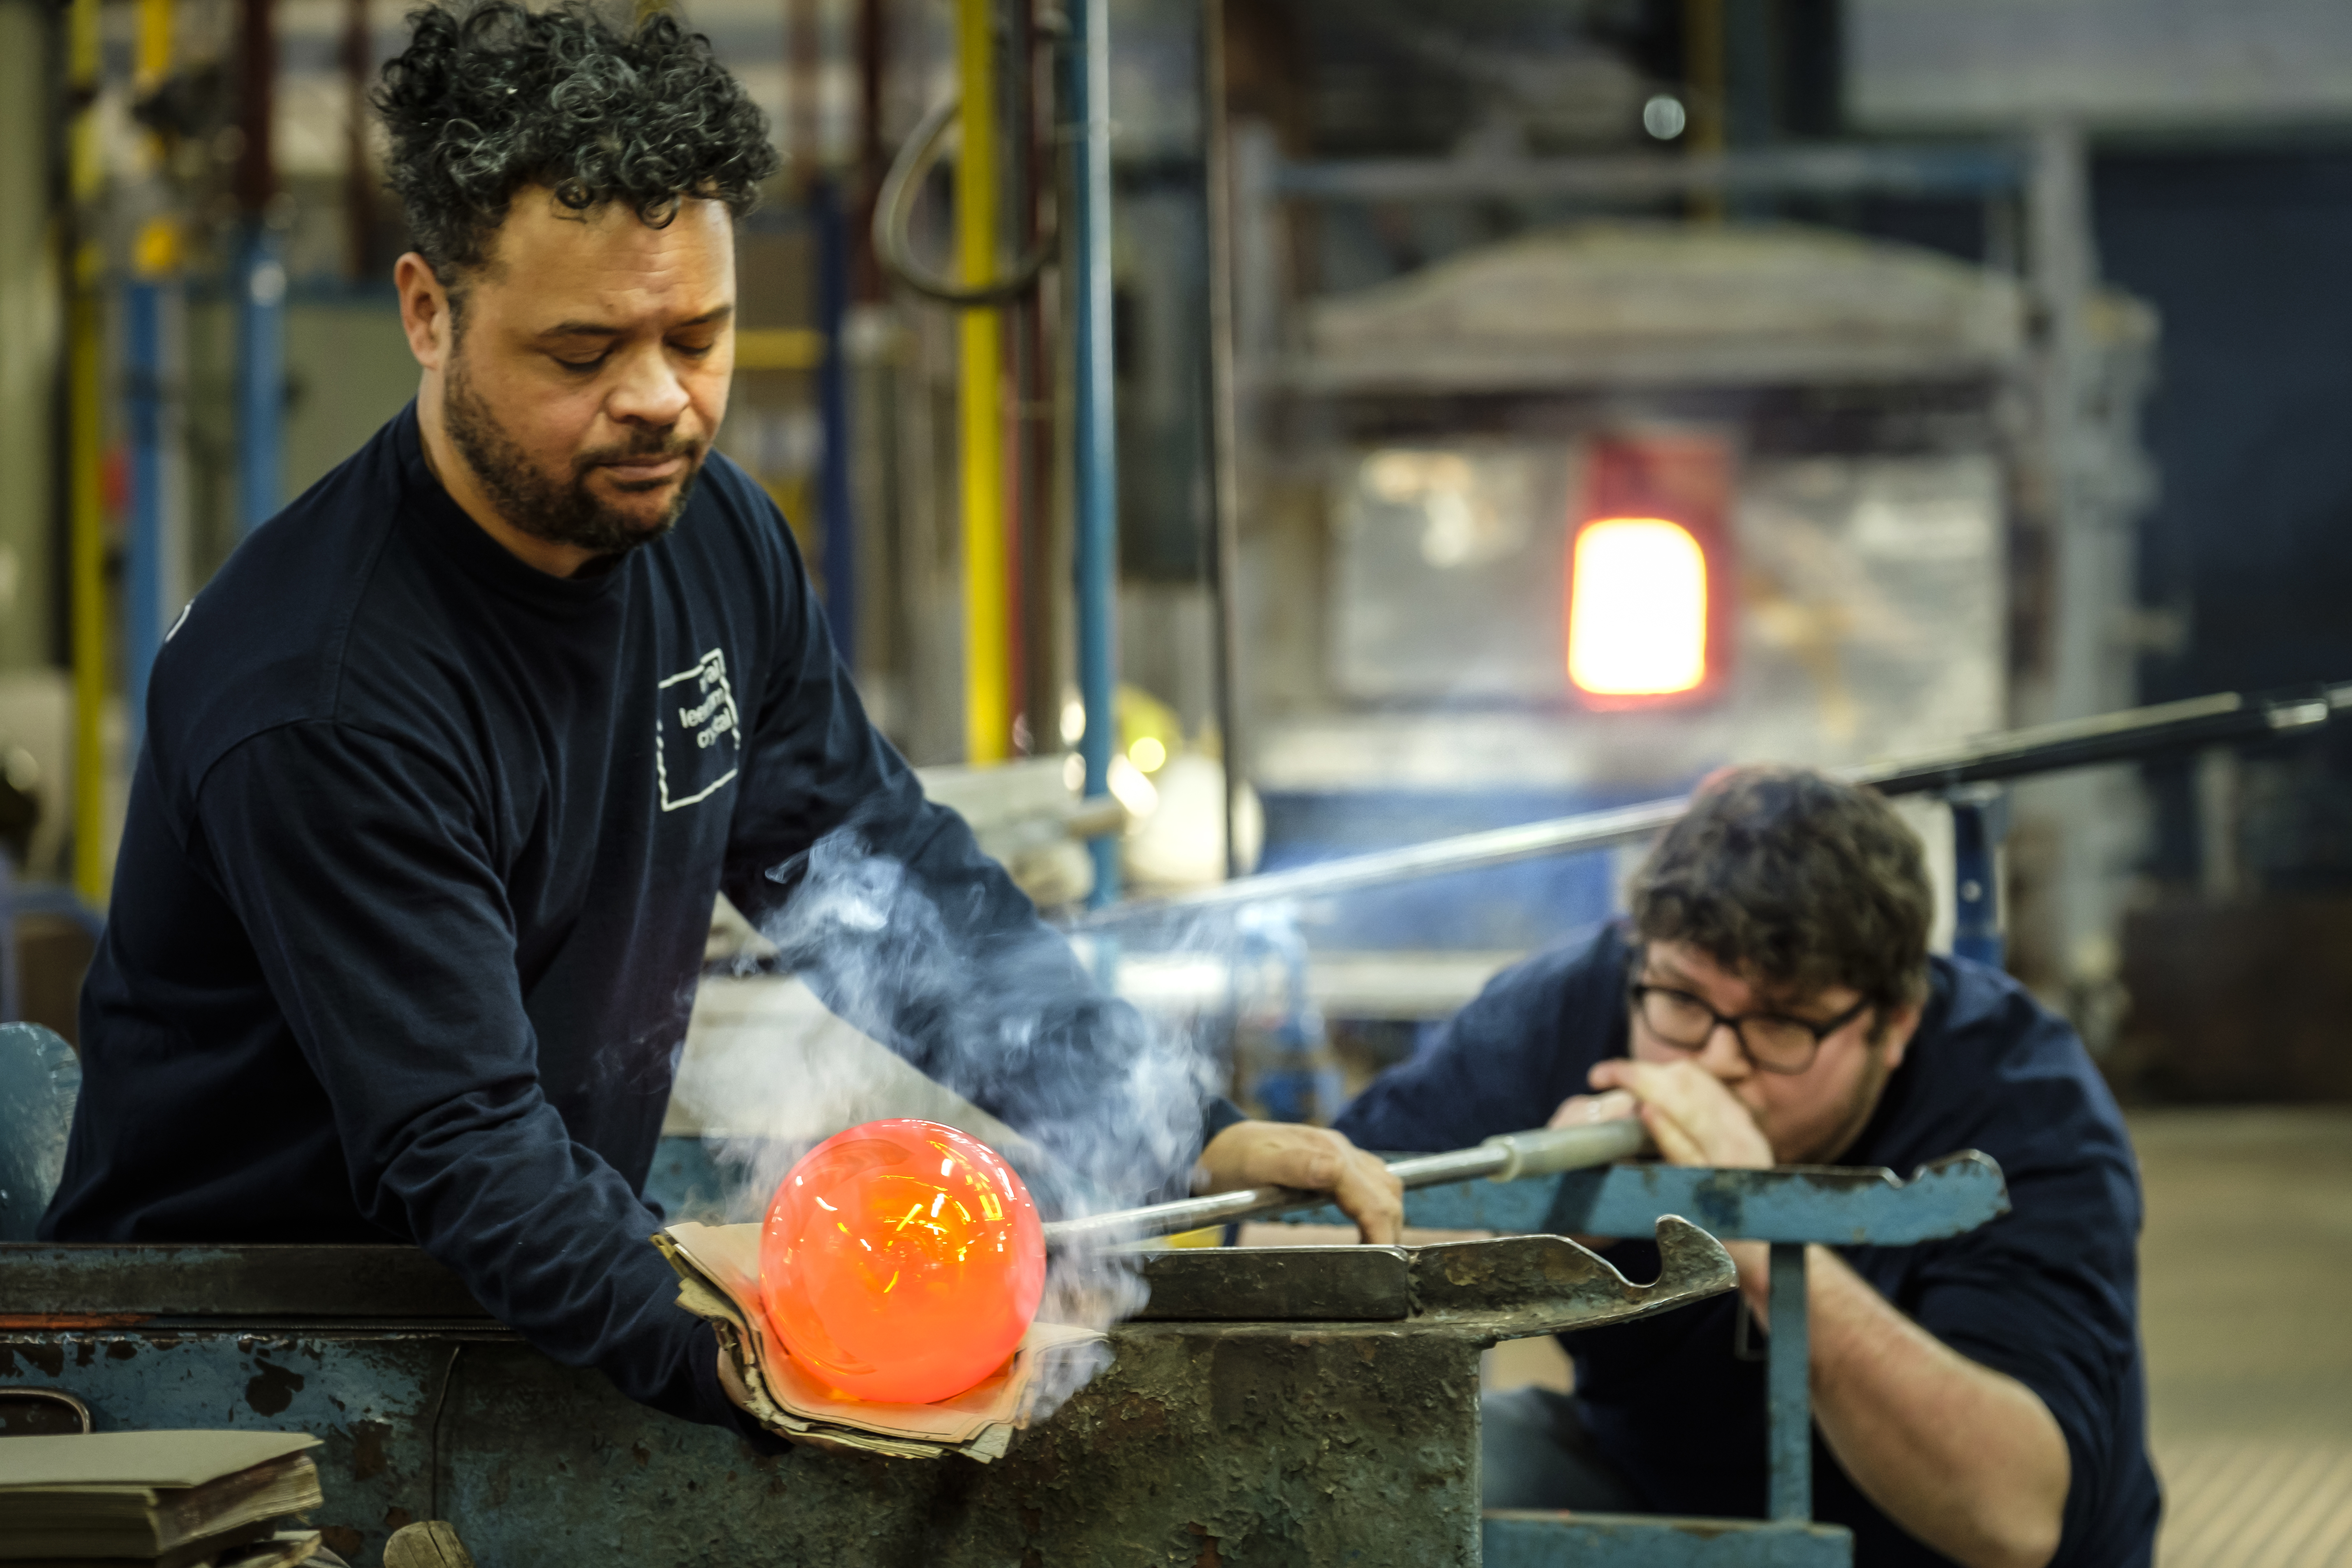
412	897
2047	1294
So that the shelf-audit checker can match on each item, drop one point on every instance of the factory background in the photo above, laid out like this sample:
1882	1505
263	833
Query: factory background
1978	366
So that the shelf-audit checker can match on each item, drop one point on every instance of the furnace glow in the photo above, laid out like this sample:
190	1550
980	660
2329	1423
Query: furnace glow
1636	608
902	1261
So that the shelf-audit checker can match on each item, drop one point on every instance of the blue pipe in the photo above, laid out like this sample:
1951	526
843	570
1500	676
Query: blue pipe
1978	813
260	376
840	549
1788	1373
143	609
1096	432
1293	1077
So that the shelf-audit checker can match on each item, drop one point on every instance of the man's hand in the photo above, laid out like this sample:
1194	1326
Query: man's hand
1692	1117
1695	1120
1283	1154
1584	1109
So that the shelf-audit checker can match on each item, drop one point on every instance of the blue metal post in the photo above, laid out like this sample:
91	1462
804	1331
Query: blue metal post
1096	433
1788	1373
1293	1077
840	552
143	600
1976	823
260	375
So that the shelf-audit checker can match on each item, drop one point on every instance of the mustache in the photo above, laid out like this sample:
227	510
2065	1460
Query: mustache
641	445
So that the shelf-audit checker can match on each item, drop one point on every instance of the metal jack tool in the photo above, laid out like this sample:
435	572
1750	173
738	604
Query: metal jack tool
1790	1208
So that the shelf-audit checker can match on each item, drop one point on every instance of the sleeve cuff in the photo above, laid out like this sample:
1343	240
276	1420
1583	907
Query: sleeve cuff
1217	1115
711	1404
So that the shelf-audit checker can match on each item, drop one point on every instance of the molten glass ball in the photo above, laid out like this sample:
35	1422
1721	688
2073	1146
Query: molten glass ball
902	1261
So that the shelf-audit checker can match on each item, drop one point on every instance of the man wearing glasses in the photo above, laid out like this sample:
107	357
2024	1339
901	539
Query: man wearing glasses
1772	1001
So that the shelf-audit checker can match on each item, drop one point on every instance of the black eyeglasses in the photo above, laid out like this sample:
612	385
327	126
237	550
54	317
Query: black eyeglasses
1773	1042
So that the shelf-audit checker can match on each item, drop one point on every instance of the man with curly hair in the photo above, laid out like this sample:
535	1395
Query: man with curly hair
1772	1001
446	768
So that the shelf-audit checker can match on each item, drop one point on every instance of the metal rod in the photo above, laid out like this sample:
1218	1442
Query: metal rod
1976	880
1040	584
261	277
143	588
979	397
1508	1157
2128	735
838	559
85	435
1468	851
1788	1393
1634	176
11	994
1224	491
1096	433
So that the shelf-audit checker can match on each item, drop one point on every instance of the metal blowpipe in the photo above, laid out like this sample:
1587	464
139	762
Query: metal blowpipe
1503	1158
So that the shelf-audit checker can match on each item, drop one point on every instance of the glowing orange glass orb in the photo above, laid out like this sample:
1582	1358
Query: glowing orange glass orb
1636	608
902	1261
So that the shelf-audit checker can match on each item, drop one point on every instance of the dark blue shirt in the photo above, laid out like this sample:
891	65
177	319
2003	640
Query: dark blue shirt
411	899
2047	1294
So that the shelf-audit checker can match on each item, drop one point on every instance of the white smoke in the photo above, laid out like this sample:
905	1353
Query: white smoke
1101	1105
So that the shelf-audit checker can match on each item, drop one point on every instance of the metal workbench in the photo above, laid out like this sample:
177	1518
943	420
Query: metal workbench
1271	1406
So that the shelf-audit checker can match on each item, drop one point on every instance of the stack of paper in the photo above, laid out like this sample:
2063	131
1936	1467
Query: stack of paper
174	1499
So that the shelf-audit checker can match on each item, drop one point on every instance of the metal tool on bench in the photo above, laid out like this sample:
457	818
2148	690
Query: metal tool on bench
1509	1157
1790	1208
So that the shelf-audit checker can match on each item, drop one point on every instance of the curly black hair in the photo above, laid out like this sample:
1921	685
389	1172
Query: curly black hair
1796	880
491	97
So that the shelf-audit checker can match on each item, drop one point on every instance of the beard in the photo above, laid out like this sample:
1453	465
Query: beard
1855	1114
561	509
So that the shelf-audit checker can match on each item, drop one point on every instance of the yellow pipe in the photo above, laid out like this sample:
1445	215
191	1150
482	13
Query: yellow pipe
153	62
85	413
1703	84
779	347
86	555
987	706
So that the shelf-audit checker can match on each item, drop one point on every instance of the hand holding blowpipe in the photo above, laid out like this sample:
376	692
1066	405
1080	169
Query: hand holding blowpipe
1503	1158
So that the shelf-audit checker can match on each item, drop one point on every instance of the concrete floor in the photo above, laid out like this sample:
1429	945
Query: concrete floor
2246	1307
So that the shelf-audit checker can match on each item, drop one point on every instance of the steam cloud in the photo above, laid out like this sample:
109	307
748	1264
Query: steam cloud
1104	1102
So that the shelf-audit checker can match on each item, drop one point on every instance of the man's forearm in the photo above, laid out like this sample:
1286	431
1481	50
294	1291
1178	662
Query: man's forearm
1966	1458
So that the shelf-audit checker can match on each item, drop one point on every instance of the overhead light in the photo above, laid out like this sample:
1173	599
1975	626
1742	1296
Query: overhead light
1637	609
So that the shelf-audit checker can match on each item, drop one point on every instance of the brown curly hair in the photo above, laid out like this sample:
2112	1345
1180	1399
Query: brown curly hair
1795	880
491	97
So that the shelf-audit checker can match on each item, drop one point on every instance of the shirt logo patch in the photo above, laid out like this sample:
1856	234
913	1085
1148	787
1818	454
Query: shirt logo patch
697	734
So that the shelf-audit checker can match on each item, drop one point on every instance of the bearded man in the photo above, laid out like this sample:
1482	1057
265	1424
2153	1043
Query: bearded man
1772	1001
445	769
